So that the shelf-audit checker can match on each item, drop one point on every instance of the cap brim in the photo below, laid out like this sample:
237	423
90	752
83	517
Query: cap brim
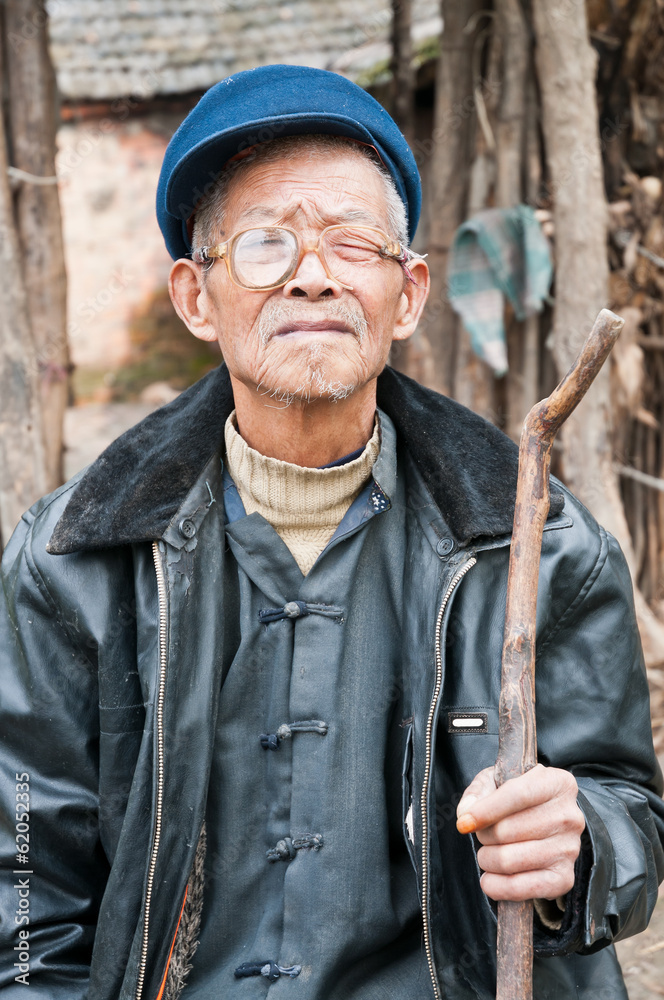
197	172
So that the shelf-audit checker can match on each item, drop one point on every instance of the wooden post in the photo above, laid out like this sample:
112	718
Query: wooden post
403	74
22	472
511	111
32	127
406	355
521	390
451	150
566	66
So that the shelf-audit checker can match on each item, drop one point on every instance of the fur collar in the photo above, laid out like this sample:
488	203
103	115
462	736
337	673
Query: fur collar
134	489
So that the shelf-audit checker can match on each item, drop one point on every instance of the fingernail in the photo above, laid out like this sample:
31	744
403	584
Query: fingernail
464	805
466	823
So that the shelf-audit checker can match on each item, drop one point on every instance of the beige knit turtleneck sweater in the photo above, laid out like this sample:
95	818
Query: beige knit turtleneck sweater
303	505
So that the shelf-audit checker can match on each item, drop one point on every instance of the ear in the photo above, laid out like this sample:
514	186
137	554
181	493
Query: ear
413	299
186	286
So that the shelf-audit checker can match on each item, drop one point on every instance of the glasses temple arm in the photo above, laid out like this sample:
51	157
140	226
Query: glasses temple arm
404	258
207	254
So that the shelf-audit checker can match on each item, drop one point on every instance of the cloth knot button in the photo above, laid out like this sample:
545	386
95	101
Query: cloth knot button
309	841
444	546
270	741
270	970
187	528
300	609
284	850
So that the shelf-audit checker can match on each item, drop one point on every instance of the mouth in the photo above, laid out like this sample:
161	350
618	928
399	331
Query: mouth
303	327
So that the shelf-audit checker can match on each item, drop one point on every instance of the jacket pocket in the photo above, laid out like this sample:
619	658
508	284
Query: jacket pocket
407	808
470	735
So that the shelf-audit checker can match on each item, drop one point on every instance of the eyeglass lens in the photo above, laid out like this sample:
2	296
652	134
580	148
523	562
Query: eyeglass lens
262	258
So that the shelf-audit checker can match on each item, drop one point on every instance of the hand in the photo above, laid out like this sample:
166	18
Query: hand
530	829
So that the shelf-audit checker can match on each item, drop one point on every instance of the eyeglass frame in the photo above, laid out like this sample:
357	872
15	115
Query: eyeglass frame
391	249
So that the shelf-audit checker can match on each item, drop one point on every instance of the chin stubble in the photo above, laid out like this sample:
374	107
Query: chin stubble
275	314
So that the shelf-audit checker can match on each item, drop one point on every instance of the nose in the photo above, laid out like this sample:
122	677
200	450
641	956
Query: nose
311	280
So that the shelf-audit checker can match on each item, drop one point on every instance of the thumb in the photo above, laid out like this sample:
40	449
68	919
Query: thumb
483	784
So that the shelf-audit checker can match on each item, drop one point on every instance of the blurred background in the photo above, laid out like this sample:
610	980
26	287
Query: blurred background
538	128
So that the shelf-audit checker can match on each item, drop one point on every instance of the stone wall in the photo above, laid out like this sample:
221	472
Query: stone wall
106	49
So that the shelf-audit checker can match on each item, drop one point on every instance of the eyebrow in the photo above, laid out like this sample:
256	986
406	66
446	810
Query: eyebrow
350	215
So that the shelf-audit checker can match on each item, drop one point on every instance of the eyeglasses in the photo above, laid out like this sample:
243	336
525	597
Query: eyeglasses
266	258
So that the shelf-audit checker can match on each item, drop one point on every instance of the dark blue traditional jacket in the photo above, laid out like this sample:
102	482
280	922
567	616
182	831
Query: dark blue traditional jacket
110	627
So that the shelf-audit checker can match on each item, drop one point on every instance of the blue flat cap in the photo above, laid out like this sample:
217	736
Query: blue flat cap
266	103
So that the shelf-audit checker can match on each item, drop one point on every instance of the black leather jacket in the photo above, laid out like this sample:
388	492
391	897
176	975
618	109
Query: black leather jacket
109	624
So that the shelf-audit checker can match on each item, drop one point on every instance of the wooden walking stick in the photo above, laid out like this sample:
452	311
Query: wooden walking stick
517	748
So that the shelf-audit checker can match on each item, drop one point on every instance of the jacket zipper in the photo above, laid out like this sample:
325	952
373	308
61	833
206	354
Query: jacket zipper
456	579
161	590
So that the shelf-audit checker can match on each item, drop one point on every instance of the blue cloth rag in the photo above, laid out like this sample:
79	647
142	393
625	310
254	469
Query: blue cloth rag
501	252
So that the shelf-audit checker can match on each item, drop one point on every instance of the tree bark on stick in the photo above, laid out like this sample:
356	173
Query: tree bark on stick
517	746
452	151
566	67
22	475
32	128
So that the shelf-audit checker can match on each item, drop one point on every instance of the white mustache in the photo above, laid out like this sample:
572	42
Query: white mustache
275	314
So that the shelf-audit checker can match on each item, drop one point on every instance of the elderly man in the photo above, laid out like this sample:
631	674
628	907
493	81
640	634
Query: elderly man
251	656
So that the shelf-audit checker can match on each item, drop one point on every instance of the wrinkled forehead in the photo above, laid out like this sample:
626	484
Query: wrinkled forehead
328	187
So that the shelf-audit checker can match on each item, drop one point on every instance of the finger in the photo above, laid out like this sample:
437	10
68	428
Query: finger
551	819
527	885
533	788
483	784
535	855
